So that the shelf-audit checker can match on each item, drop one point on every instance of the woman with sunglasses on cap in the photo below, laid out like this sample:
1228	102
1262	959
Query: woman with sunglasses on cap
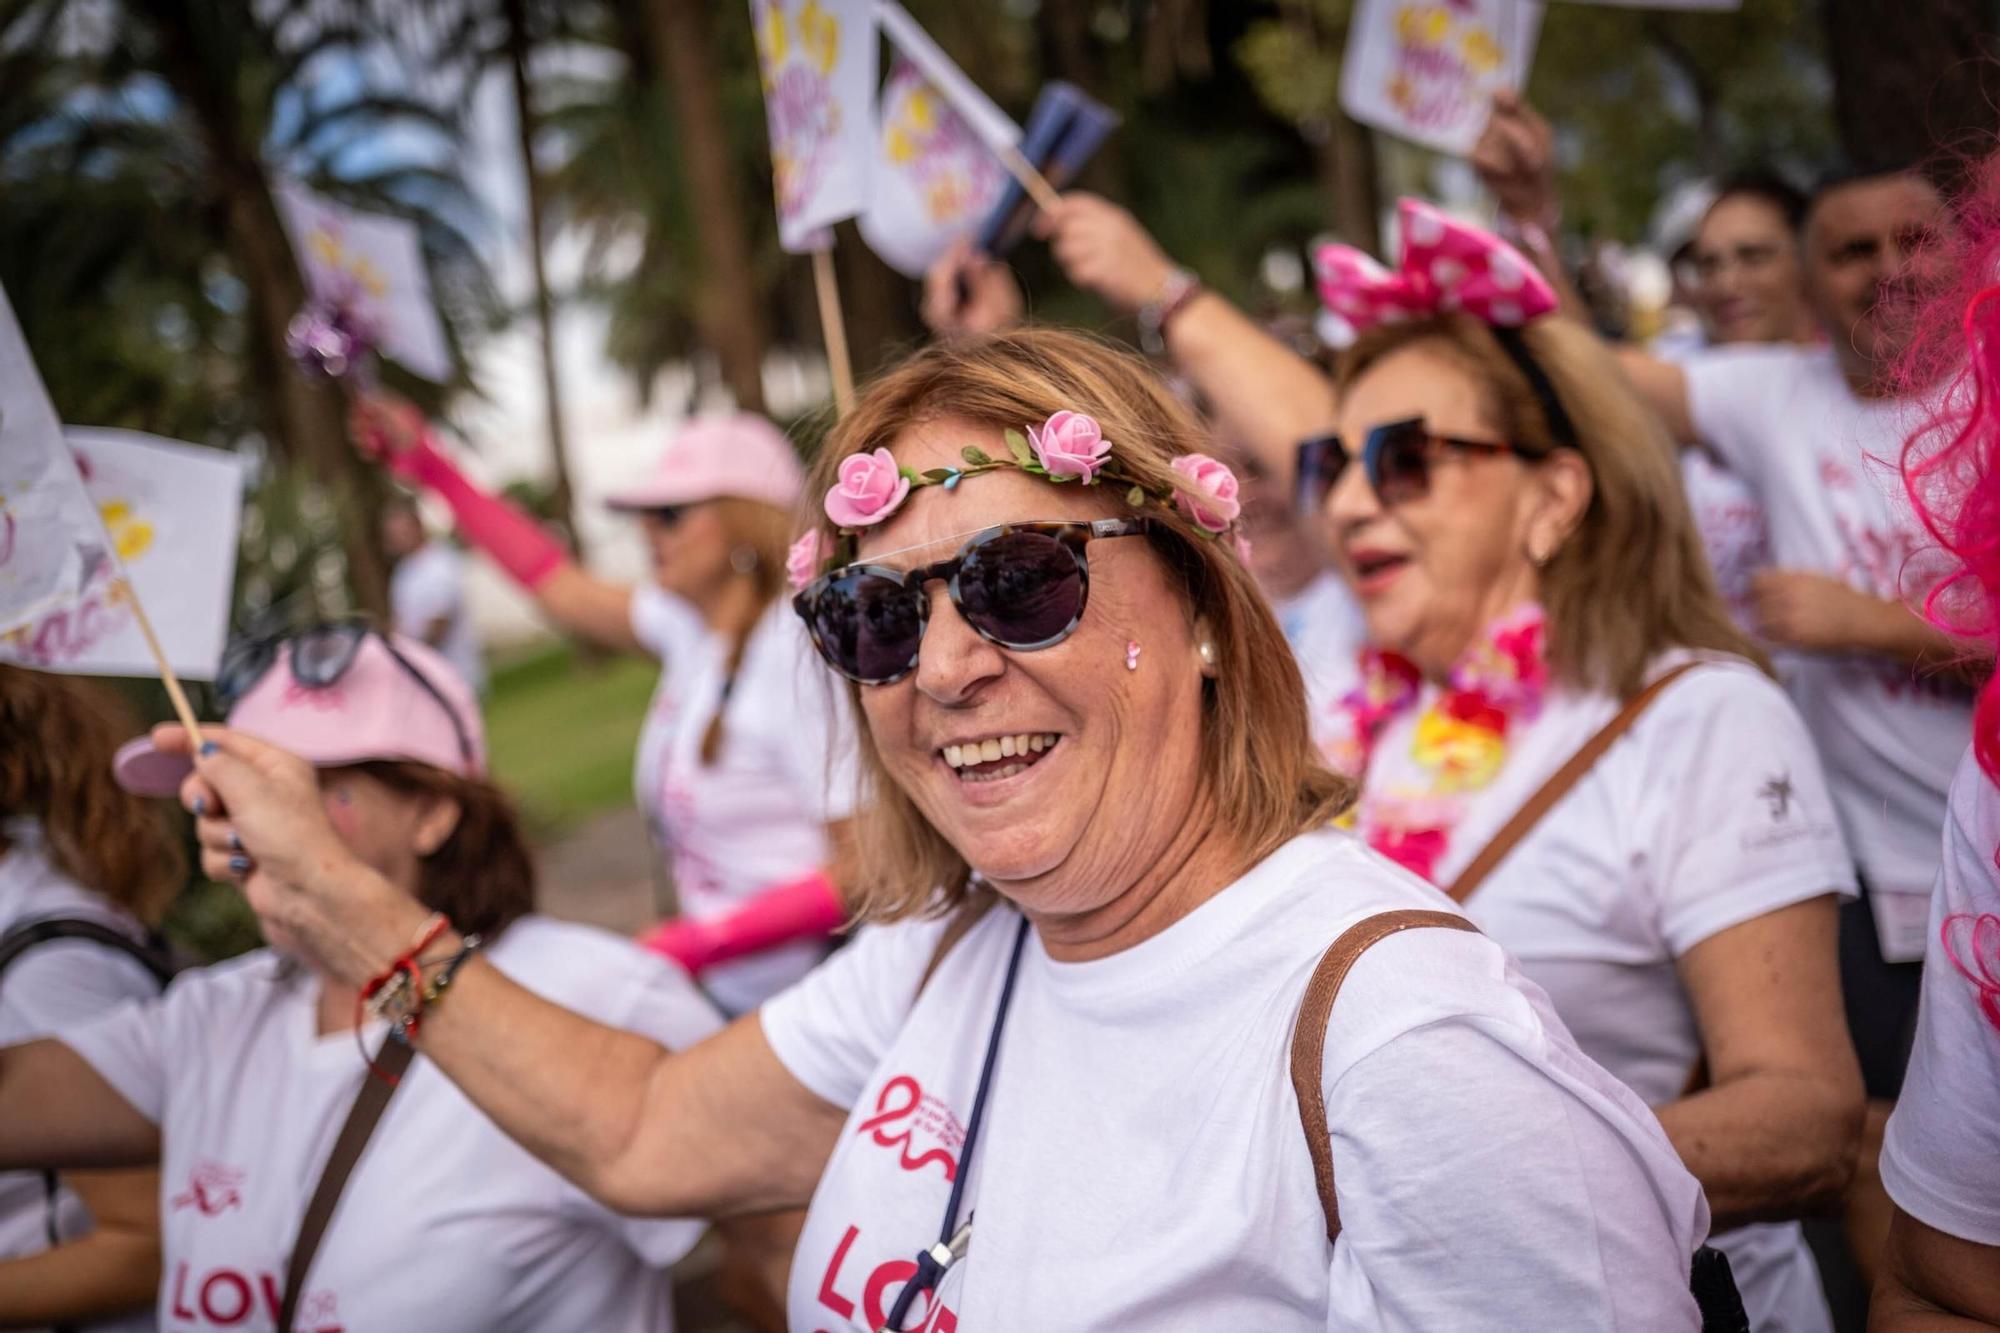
1561	726
740	780
237	1082
86	871
1059	1085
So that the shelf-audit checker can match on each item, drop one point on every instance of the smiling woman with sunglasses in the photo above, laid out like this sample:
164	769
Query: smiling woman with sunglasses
743	789
1561	726
1114	1054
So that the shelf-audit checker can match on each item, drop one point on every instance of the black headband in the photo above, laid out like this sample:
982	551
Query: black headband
1560	426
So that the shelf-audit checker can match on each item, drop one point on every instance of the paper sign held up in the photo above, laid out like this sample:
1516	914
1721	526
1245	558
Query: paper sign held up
1426	70
374	267
934	177
817	62
51	544
170	512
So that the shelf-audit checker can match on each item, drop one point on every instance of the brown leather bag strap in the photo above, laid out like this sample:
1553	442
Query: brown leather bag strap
1309	1034
392	1061
1530	814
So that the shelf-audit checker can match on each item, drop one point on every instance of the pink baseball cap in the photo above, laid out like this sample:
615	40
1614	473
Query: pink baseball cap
377	709
742	455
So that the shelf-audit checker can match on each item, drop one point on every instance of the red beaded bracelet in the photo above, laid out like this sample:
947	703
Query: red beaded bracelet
397	992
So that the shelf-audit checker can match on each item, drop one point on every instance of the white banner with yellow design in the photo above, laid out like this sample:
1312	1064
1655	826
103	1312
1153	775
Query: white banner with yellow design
373	267
170	512
1426	70
935	178
817	62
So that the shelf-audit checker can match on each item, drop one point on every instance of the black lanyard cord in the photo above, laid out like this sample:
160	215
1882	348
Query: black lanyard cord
932	1263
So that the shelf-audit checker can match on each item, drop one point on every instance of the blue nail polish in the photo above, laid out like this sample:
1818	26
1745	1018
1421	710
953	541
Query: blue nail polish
201	805
239	865
208	748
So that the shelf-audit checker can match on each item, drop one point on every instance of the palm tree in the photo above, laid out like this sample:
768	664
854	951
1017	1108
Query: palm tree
184	112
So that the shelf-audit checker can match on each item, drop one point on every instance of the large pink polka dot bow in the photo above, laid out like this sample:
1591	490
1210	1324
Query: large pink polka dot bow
1446	265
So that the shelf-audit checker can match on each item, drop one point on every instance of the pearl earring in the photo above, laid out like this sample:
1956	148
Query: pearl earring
1206	650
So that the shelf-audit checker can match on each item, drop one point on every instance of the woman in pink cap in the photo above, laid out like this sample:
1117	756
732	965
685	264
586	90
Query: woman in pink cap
238	1081
737	772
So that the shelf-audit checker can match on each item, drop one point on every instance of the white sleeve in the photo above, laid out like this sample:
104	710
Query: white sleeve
1731	394
663	623
129	1049
1486	1172
1737	818
1941	1155
833	1026
63	983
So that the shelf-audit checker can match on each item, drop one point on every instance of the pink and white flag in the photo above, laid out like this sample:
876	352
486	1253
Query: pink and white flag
169	513
817	61
373	267
1426	70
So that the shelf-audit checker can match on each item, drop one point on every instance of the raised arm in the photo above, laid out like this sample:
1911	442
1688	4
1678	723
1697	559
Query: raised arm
1257	389
1774	1133
600	610
716	1129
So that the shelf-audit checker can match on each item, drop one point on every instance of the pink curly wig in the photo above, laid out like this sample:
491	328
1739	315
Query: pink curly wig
1951	461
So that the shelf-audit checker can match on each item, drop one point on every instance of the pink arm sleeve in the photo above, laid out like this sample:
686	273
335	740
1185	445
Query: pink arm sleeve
805	908
514	540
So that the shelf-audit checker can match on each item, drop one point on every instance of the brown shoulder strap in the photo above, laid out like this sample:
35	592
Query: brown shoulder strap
393	1061
1530	814
1309	1033
964	919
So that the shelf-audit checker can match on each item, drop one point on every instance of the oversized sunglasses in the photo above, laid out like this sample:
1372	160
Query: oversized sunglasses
1022	586
1396	458
321	655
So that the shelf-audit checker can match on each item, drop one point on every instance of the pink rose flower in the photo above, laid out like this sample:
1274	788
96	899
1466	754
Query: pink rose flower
868	491
802	561
1209	498
1070	444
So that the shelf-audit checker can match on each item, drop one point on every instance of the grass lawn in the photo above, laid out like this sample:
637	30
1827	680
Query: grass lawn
560	731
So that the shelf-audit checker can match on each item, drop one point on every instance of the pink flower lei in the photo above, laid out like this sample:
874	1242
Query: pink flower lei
1068	447
1460	741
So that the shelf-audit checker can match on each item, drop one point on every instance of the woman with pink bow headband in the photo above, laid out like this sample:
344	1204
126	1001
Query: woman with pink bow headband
742	783
1133	1040
1561	726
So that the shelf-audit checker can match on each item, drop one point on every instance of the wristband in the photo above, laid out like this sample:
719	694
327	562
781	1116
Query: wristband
397	992
513	539
1180	287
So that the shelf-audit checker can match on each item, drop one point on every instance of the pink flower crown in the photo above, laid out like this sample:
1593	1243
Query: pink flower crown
1068	447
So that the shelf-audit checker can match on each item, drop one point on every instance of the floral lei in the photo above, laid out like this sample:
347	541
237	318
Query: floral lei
1460	741
1068	447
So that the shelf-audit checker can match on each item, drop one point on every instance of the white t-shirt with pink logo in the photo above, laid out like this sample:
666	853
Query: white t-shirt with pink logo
1731	523
757	816
1823	461
1142	1163
1711	811
1941	1156
446	1224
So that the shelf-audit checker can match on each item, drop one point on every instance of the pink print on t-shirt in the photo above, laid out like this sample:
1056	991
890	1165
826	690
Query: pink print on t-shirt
903	1113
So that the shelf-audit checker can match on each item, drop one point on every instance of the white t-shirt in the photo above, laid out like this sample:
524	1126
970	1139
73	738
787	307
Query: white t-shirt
429	585
48	987
1711	811
1324	625
1142	1164
1731	523
1941	1156
757	816
446	1223
1823	462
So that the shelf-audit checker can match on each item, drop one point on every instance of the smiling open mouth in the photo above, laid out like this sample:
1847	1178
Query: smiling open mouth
998	757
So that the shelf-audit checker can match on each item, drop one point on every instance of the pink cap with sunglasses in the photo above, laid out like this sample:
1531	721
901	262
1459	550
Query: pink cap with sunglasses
710	457
376	710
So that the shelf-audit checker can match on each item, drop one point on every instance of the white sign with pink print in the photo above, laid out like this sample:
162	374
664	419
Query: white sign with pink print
169	513
1426	70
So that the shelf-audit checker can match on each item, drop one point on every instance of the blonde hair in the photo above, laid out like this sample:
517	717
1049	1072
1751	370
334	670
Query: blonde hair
1632	580
765	529
1265	780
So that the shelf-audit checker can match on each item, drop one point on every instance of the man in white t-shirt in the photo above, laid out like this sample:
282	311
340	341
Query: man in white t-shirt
427	591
